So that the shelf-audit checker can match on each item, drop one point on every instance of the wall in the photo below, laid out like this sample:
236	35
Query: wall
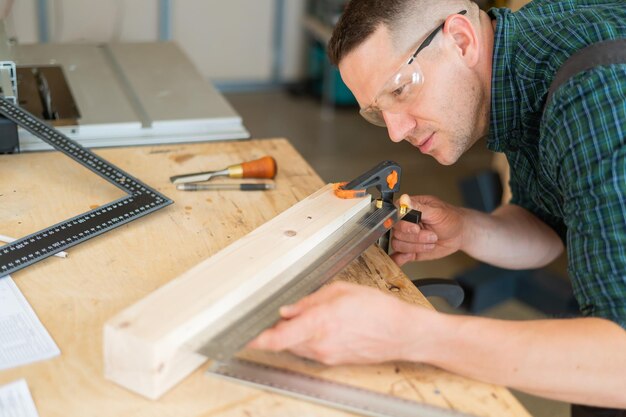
230	41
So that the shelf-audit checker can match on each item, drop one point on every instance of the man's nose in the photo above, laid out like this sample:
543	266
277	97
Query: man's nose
399	125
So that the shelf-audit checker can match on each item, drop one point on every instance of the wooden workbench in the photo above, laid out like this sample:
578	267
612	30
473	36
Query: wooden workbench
73	297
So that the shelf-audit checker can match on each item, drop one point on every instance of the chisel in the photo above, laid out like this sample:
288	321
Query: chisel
215	187
259	168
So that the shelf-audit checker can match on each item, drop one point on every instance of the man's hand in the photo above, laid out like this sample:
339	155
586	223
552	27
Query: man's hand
510	237
345	323
439	234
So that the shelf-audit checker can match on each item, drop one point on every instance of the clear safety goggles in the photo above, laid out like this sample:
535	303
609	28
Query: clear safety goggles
401	88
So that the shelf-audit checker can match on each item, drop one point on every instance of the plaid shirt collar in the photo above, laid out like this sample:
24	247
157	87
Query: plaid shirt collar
505	121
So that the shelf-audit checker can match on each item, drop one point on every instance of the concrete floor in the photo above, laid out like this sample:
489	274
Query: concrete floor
339	145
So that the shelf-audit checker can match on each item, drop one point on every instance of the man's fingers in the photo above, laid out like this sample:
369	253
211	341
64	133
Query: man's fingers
425	236
405	200
406	227
307	317
302	351
429	206
285	334
322	296
310	301
402	258
411	247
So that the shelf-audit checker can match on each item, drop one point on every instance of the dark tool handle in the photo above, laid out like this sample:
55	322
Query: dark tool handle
254	187
413	216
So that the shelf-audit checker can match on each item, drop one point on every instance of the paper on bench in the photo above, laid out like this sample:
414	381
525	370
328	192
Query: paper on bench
16	401
23	339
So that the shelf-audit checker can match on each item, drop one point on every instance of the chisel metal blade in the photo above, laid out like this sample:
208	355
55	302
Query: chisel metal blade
197	176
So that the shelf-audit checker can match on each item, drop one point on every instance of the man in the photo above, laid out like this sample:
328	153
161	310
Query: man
443	75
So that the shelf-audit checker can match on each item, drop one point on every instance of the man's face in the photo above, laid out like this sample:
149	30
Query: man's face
441	119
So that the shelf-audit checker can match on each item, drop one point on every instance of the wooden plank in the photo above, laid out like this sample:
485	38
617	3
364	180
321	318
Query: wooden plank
147	346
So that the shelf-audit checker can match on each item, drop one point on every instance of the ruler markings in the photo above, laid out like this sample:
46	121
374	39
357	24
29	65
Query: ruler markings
141	199
75	151
326	392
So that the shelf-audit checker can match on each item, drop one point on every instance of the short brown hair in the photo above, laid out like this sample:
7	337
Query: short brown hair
359	20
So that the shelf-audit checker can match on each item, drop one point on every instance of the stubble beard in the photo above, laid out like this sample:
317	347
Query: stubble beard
465	133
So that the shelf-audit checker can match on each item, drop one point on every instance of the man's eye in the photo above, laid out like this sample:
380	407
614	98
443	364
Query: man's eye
400	92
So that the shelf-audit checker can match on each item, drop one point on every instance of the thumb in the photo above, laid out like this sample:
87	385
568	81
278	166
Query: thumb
430	207
401	258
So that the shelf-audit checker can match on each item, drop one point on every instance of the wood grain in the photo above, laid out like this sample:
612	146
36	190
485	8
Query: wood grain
74	297
148	346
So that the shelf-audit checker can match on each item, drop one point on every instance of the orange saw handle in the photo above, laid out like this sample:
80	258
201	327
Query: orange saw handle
259	168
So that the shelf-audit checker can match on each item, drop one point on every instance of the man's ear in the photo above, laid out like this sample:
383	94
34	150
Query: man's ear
460	29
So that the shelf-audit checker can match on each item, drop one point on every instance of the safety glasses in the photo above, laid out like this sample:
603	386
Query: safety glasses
400	89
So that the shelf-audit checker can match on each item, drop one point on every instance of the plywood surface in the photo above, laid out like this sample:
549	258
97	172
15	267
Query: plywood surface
75	296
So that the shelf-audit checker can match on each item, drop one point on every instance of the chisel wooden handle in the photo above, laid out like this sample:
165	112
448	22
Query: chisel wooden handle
259	168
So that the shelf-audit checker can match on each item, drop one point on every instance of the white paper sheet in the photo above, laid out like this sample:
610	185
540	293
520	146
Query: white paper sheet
16	401
23	339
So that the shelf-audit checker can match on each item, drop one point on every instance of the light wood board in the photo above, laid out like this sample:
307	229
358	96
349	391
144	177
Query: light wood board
148	346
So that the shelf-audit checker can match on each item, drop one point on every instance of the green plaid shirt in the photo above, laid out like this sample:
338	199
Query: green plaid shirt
568	165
